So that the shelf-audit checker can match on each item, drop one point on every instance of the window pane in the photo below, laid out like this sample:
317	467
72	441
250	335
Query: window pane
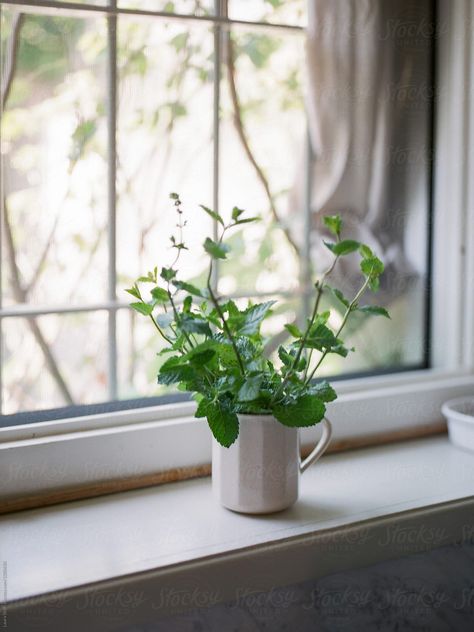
53	361
370	111
276	11
185	7
164	144
262	155
54	164
138	361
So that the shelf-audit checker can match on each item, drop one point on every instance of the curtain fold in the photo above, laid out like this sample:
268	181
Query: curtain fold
369	105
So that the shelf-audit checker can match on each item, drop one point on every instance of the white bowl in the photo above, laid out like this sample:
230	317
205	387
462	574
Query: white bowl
459	414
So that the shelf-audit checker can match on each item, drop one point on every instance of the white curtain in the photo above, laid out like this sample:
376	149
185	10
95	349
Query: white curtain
369	102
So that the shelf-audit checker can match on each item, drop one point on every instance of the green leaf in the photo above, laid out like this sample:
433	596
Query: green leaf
145	279
216	250
365	251
187	304
160	294
342	248
193	324
213	214
372	266
201	354
164	320
324	391
247	323
305	411
293	330
133	291
223	423
340	296
285	357
250	389
167	274
236	213
248	220
374	284
173	371
187	287
321	337
333	223
374	310
142	308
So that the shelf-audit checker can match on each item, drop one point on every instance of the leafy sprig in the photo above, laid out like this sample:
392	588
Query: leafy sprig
217	350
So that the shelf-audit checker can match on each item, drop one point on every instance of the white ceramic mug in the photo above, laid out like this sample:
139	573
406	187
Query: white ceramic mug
260	472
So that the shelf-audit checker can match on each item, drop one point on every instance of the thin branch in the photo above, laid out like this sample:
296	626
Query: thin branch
21	297
338	332
11	57
239	126
19	292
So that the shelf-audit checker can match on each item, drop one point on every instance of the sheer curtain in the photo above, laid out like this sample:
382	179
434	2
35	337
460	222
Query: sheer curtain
369	103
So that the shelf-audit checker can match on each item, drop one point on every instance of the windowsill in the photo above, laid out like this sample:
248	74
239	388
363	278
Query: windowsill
150	534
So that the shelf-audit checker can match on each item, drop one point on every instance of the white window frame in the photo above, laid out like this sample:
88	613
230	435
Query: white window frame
41	457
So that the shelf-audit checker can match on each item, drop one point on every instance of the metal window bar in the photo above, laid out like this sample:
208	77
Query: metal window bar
221	23
221	19
112	196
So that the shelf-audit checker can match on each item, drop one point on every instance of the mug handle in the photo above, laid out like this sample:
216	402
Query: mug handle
320	448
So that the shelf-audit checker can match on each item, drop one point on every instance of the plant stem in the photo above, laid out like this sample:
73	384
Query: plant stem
319	293
344	321
160	331
215	302
177	318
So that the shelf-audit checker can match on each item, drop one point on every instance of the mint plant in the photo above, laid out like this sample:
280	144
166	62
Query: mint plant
217	350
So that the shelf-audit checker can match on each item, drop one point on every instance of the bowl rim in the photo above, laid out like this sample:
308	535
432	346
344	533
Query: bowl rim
452	414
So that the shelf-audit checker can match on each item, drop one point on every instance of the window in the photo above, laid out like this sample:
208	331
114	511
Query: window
106	109
37	458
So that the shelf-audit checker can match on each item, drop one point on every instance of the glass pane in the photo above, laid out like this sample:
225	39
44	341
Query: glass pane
138	361
53	152
53	361
184	7
277	11
371	139
262	154
164	144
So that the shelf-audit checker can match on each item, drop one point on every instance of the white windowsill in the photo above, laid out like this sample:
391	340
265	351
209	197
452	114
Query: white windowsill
139	532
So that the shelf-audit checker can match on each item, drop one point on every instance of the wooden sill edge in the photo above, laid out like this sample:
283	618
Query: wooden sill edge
116	486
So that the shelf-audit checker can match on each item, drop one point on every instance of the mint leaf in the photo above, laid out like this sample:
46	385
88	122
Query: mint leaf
371	266
340	297
248	322
324	391
133	291
160	294
305	411
213	214
164	320
374	310
167	274
293	330
285	357
216	250
187	287
223	423
173	371
365	251
192	324
342	248
236	213
333	223
142	308
250	389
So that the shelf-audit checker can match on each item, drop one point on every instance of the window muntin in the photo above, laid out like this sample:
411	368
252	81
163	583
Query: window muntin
132	362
